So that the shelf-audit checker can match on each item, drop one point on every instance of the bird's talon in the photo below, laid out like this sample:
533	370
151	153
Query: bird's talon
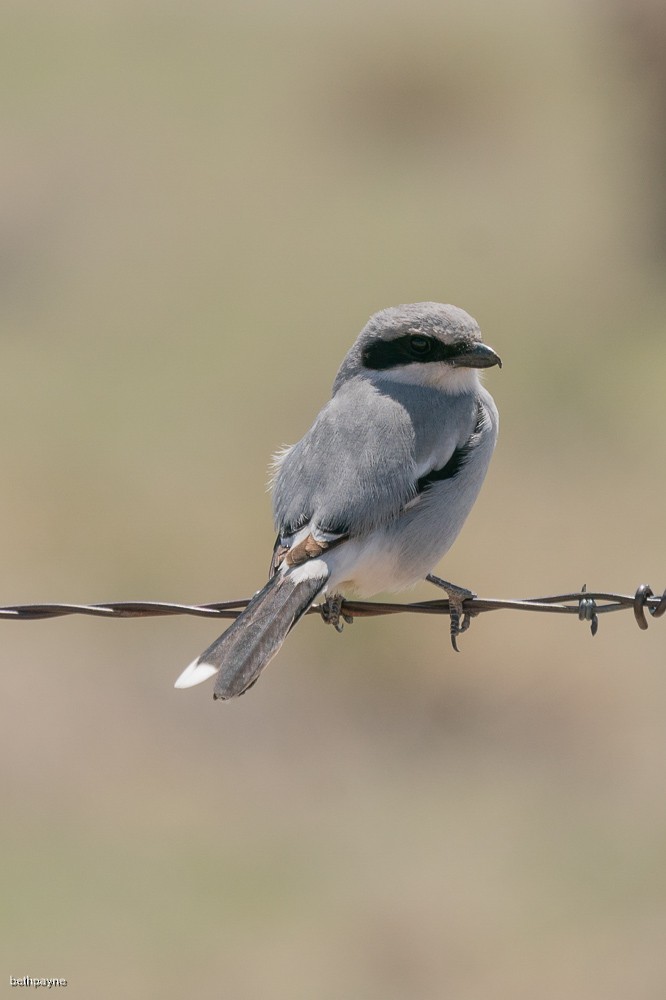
460	618
466	622
331	612
455	609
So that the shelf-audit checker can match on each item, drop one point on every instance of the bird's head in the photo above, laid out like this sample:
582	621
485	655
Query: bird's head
423	343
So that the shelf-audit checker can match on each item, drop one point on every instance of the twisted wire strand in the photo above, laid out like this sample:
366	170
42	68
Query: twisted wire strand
587	605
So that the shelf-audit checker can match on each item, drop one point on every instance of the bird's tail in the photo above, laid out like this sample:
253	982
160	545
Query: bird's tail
253	639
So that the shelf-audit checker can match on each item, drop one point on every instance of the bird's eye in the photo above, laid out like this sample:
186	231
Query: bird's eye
420	345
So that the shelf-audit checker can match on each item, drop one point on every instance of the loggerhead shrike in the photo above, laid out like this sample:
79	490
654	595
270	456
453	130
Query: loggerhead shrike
377	490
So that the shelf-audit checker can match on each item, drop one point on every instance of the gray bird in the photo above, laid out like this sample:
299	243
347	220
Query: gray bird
375	493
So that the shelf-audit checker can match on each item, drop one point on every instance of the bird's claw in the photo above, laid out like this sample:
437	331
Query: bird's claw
331	612
460	618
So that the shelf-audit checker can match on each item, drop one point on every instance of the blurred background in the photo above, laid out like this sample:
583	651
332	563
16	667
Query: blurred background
200	207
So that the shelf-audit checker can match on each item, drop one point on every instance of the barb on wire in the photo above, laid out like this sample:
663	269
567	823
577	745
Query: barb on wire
587	605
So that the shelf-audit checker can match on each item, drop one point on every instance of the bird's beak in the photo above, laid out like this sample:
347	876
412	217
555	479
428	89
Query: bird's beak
476	356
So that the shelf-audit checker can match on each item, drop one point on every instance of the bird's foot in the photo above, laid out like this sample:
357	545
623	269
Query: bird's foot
331	612
460	619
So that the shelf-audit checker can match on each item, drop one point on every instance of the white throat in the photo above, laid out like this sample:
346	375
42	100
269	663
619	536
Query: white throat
434	375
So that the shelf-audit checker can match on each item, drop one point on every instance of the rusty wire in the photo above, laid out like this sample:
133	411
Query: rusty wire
586	605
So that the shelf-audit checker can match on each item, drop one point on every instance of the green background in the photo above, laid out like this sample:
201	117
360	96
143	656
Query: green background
200	206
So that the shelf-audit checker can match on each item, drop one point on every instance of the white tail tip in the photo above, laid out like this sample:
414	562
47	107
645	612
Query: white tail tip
196	673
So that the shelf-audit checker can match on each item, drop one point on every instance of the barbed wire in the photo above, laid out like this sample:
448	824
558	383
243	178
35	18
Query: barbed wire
587	605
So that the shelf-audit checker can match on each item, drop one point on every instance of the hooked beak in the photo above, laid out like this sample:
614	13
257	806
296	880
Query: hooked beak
476	356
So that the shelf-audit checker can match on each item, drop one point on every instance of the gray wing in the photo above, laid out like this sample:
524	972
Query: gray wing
353	470
369	454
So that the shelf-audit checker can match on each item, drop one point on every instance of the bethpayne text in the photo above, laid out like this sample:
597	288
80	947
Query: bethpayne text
31	981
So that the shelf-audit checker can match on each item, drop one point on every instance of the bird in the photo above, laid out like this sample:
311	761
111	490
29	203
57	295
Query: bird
377	490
